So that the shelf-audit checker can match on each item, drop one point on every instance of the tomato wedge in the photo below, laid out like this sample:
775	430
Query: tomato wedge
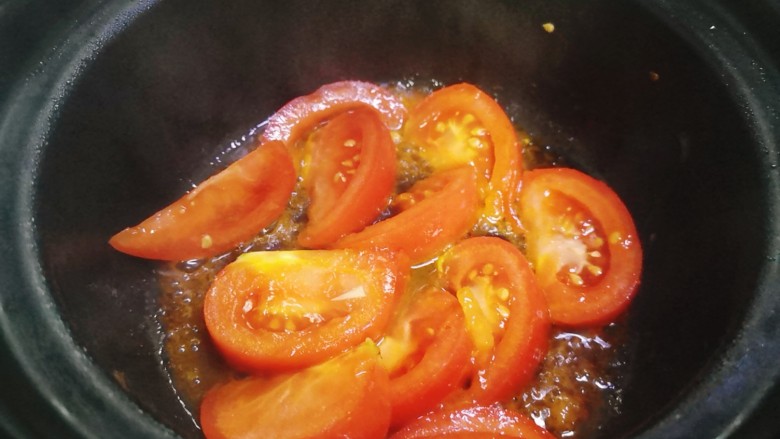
350	177
220	213
506	314
462	124
583	244
434	213
426	351
281	310
473	422
343	397
301	114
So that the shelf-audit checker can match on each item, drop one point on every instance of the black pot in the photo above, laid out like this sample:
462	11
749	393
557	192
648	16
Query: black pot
111	109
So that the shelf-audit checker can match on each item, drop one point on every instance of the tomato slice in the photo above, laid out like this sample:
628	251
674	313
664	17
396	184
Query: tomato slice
426	351
434	213
473	421
343	397
303	113
506	314
220	213
583	244
462	124
350	177
281	310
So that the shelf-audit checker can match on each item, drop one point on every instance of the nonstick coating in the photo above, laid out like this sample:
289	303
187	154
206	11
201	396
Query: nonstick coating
112	109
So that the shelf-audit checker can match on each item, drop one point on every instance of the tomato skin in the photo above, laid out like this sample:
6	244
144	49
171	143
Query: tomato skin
331	299
429	225
504	161
303	113
220	213
444	364
522	344
351	177
473	421
465	435
344	397
546	192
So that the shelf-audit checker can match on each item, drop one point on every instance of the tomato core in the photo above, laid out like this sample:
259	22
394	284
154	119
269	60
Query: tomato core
287	314
574	242
459	139
486	307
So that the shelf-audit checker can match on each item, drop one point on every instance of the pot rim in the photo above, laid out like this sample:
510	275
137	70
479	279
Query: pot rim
100	409
745	371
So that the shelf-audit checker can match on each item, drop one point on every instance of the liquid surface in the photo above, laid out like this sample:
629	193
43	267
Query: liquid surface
578	386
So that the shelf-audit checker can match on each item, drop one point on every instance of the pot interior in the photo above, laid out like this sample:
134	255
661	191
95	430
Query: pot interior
612	89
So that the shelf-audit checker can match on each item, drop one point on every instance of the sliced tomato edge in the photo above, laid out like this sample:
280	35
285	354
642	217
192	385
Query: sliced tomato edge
193	246
421	216
621	287
304	112
376	171
270	352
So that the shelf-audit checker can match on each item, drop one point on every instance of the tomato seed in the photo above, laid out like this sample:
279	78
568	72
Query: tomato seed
576	279
594	269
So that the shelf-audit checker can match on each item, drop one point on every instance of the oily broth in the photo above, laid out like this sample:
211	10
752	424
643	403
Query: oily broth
578	386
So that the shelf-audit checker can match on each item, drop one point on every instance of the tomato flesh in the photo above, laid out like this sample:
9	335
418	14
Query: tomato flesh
351	177
461	124
506	314
303	323
477	420
289	309
223	211
343	397
434	213
426	351
302	114
583	243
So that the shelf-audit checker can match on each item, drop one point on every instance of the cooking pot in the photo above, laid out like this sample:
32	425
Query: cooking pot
111	109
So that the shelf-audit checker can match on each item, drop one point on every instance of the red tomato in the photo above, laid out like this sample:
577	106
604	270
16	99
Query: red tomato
426	350
220	213
506	314
280	310
473	421
350	177
466	435
435	212
304	113
461	124
583	243
343	397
